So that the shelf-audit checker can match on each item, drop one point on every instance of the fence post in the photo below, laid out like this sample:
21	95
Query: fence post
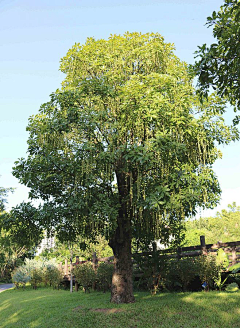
154	254
71	274
234	255
179	253
60	267
66	267
94	264
203	245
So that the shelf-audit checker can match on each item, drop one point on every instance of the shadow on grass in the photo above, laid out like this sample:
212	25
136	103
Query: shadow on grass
51	308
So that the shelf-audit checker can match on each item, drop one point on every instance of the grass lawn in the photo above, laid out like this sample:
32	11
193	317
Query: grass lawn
51	308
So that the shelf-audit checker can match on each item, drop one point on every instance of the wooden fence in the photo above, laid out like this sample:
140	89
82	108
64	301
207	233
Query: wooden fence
232	249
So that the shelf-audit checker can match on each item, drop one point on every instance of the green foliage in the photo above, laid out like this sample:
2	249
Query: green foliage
224	227
37	271
21	276
125	149
233	287
104	276
219	282
234	268
23	225
82	247
209	270
222	259
153	270
182	272
20	233
52	276
126	131
218	65
161	273
39	263
11	255
36	277
85	275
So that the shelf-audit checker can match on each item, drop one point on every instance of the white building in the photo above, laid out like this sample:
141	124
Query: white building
46	243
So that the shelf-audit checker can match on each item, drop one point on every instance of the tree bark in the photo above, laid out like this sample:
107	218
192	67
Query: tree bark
122	286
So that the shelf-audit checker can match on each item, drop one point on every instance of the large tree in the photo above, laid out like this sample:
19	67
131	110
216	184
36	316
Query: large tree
124	149
218	66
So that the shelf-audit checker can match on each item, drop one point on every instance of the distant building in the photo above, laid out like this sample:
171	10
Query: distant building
46	243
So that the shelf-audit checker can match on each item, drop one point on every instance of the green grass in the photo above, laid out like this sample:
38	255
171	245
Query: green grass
51	308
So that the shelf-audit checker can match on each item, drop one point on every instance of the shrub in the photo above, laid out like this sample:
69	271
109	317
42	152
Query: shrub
52	276
104	276
154	271
233	287
85	275
36	277
181	273
209	270
36	271
21	276
161	273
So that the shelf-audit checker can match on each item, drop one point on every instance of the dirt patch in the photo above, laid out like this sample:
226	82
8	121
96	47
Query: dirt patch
107	311
180	313
78	308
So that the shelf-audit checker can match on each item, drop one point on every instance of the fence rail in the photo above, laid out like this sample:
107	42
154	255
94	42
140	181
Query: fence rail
230	248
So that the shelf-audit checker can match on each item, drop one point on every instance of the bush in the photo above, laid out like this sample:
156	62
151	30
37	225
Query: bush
154	269
21	276
85	275
104	276
209	270
52	276
233	287
36	271
36	277
182	273
162	273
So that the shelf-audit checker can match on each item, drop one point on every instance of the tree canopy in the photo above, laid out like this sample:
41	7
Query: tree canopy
124	149
23	226
219	64
224	227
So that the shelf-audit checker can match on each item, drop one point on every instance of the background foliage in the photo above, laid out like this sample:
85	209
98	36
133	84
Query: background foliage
225	227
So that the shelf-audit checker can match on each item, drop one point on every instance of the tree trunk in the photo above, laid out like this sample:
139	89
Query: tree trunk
122	287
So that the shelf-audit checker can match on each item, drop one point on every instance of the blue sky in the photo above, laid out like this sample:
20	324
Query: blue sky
36	34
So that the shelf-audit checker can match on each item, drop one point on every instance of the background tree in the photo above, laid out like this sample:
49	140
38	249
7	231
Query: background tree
124	149
20	234
219	64
23	225
81	247
224	227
